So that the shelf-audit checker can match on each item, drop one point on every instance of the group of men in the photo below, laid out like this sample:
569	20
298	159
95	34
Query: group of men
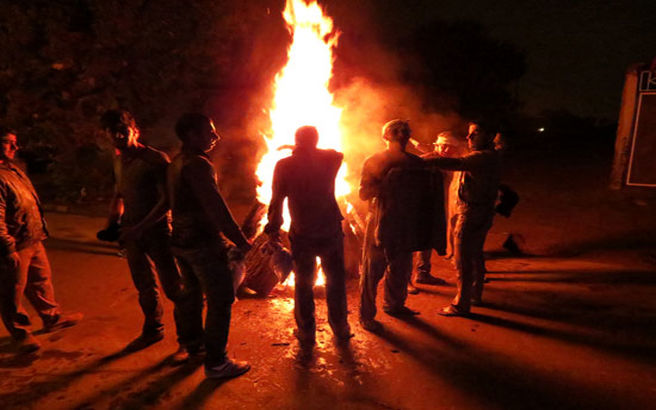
174	224
188	253
461	214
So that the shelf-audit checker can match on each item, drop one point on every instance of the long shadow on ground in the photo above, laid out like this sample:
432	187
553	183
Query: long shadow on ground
498	380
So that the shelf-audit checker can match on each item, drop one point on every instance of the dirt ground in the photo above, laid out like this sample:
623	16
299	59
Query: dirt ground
570	325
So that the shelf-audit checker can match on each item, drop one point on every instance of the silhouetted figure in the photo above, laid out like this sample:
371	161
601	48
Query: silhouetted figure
140	206
307	179
477	192
400	192
24	266
201	218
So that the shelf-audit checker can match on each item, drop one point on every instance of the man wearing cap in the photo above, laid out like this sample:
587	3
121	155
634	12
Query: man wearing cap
446	146
477	192
24	265
307	180
379	253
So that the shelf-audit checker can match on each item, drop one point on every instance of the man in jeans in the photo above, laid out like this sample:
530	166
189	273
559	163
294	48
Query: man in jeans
307	179
200	219
478	184
140	204
24	265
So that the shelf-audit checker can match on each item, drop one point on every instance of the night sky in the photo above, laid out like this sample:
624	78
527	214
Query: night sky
577	51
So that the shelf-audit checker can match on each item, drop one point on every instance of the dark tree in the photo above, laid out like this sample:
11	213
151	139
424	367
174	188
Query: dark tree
461	64
66	61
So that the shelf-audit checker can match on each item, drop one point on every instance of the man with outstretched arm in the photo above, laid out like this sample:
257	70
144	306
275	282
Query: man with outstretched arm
477	193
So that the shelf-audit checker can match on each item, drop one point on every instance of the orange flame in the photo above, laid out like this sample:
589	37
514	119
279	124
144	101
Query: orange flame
301	96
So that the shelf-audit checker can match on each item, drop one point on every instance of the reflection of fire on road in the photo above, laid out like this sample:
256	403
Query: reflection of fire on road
301	97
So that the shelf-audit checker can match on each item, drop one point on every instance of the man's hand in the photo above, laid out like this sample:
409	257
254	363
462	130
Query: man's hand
13	260
237	254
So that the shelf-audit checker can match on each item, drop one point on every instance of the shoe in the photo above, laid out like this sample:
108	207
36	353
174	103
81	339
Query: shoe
61	321
427	279
412	289
27	345
227	370
305	339
453	310
143	341
371	325
186	353
401	311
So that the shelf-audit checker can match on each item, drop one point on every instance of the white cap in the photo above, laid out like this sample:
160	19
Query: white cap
447	138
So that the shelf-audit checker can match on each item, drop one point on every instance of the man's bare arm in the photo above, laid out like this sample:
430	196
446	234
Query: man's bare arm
274	214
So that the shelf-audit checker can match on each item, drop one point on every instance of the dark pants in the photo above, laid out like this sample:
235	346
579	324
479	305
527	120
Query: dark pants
376	263
331	253
32	278
424	264
156	247
206	271
470	232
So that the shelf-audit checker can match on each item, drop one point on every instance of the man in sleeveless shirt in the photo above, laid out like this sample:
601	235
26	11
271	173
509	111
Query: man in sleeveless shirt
307	180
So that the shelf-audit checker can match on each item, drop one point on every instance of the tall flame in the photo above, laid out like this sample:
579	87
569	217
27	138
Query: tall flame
301	96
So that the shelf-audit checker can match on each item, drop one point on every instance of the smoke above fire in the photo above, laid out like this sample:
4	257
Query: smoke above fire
368	106
364	86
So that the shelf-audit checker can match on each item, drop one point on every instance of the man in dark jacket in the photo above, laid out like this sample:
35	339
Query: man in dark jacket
200	221
140	205
307	179
391	233
24	265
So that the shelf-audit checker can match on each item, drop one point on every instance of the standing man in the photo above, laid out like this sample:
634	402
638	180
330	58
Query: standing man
200	219
385	247
140	205
446	146
477	193
24	265
307	179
